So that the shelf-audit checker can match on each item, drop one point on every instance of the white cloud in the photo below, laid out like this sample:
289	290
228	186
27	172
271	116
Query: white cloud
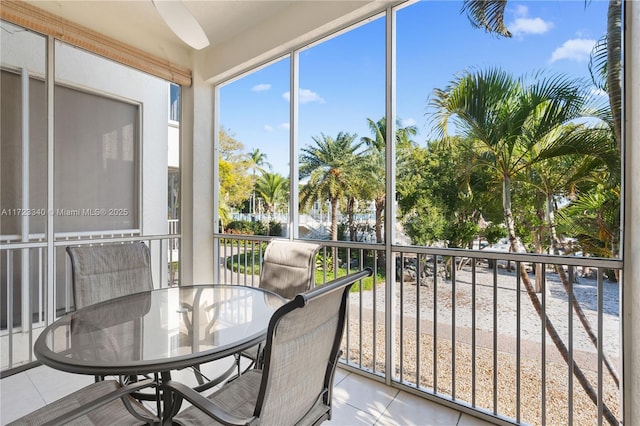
261	87
599	92
521	10
270	128
409	122
306	96
577	49
522	26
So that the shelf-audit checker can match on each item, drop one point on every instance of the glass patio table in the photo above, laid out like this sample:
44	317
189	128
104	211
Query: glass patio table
158	331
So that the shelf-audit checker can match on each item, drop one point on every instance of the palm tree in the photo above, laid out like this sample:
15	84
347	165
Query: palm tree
257	160
273	189
512	124
606	61
329	165
508	121
224	212
605	66
489	15
596	201
376	162
361	191
597	208
614	65
588	153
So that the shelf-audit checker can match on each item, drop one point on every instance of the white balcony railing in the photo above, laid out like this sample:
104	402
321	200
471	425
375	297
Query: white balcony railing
461	327
29	298
456	326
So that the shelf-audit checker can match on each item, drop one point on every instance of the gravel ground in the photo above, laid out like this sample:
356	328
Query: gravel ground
455	306
556	301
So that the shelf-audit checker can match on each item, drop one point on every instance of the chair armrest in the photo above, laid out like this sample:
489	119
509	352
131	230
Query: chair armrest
100	402
207	406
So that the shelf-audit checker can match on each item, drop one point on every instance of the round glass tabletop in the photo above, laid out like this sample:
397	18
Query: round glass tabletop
158	330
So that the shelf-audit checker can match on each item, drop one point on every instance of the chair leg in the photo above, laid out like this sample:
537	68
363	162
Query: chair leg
253	364
199	376
139	395
209	383
259	362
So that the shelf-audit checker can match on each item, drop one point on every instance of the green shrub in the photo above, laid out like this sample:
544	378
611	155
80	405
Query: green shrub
247	227
274	228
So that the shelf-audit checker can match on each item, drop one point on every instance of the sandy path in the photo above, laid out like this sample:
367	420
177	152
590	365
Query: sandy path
556	306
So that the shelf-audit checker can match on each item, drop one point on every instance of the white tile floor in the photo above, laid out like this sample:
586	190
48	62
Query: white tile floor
357	400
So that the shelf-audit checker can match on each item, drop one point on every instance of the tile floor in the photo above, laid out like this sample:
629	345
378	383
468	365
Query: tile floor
357	400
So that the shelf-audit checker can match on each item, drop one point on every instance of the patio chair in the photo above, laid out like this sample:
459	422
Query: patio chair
105	272
300	357
287	269
100	403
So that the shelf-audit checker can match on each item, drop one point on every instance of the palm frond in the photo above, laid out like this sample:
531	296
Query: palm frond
488	15
598	64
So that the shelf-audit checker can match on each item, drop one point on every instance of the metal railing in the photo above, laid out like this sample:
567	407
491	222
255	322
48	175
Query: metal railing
514	338
30	299
174	229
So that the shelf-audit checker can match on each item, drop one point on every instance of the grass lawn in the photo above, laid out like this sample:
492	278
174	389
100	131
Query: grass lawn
367	283
249	263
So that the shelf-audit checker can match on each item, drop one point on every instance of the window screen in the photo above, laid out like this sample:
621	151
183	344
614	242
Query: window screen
96	162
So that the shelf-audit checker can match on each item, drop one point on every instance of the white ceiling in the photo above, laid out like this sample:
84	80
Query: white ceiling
134	21
226	22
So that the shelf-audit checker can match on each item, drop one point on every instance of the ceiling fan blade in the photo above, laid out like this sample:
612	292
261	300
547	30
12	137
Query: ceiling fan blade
176	15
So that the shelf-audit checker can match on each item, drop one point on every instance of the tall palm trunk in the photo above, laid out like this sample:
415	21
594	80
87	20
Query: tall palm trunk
535	301
508	214
334	219
334	232
511	229
566	283
351	206
614	66
379	212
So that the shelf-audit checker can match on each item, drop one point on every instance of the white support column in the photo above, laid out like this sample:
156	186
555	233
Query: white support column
24	258
216	181
50	296
631	281
390	201
197	262
294	79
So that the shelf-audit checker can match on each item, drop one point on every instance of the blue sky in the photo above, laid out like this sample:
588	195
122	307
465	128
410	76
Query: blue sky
342	80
